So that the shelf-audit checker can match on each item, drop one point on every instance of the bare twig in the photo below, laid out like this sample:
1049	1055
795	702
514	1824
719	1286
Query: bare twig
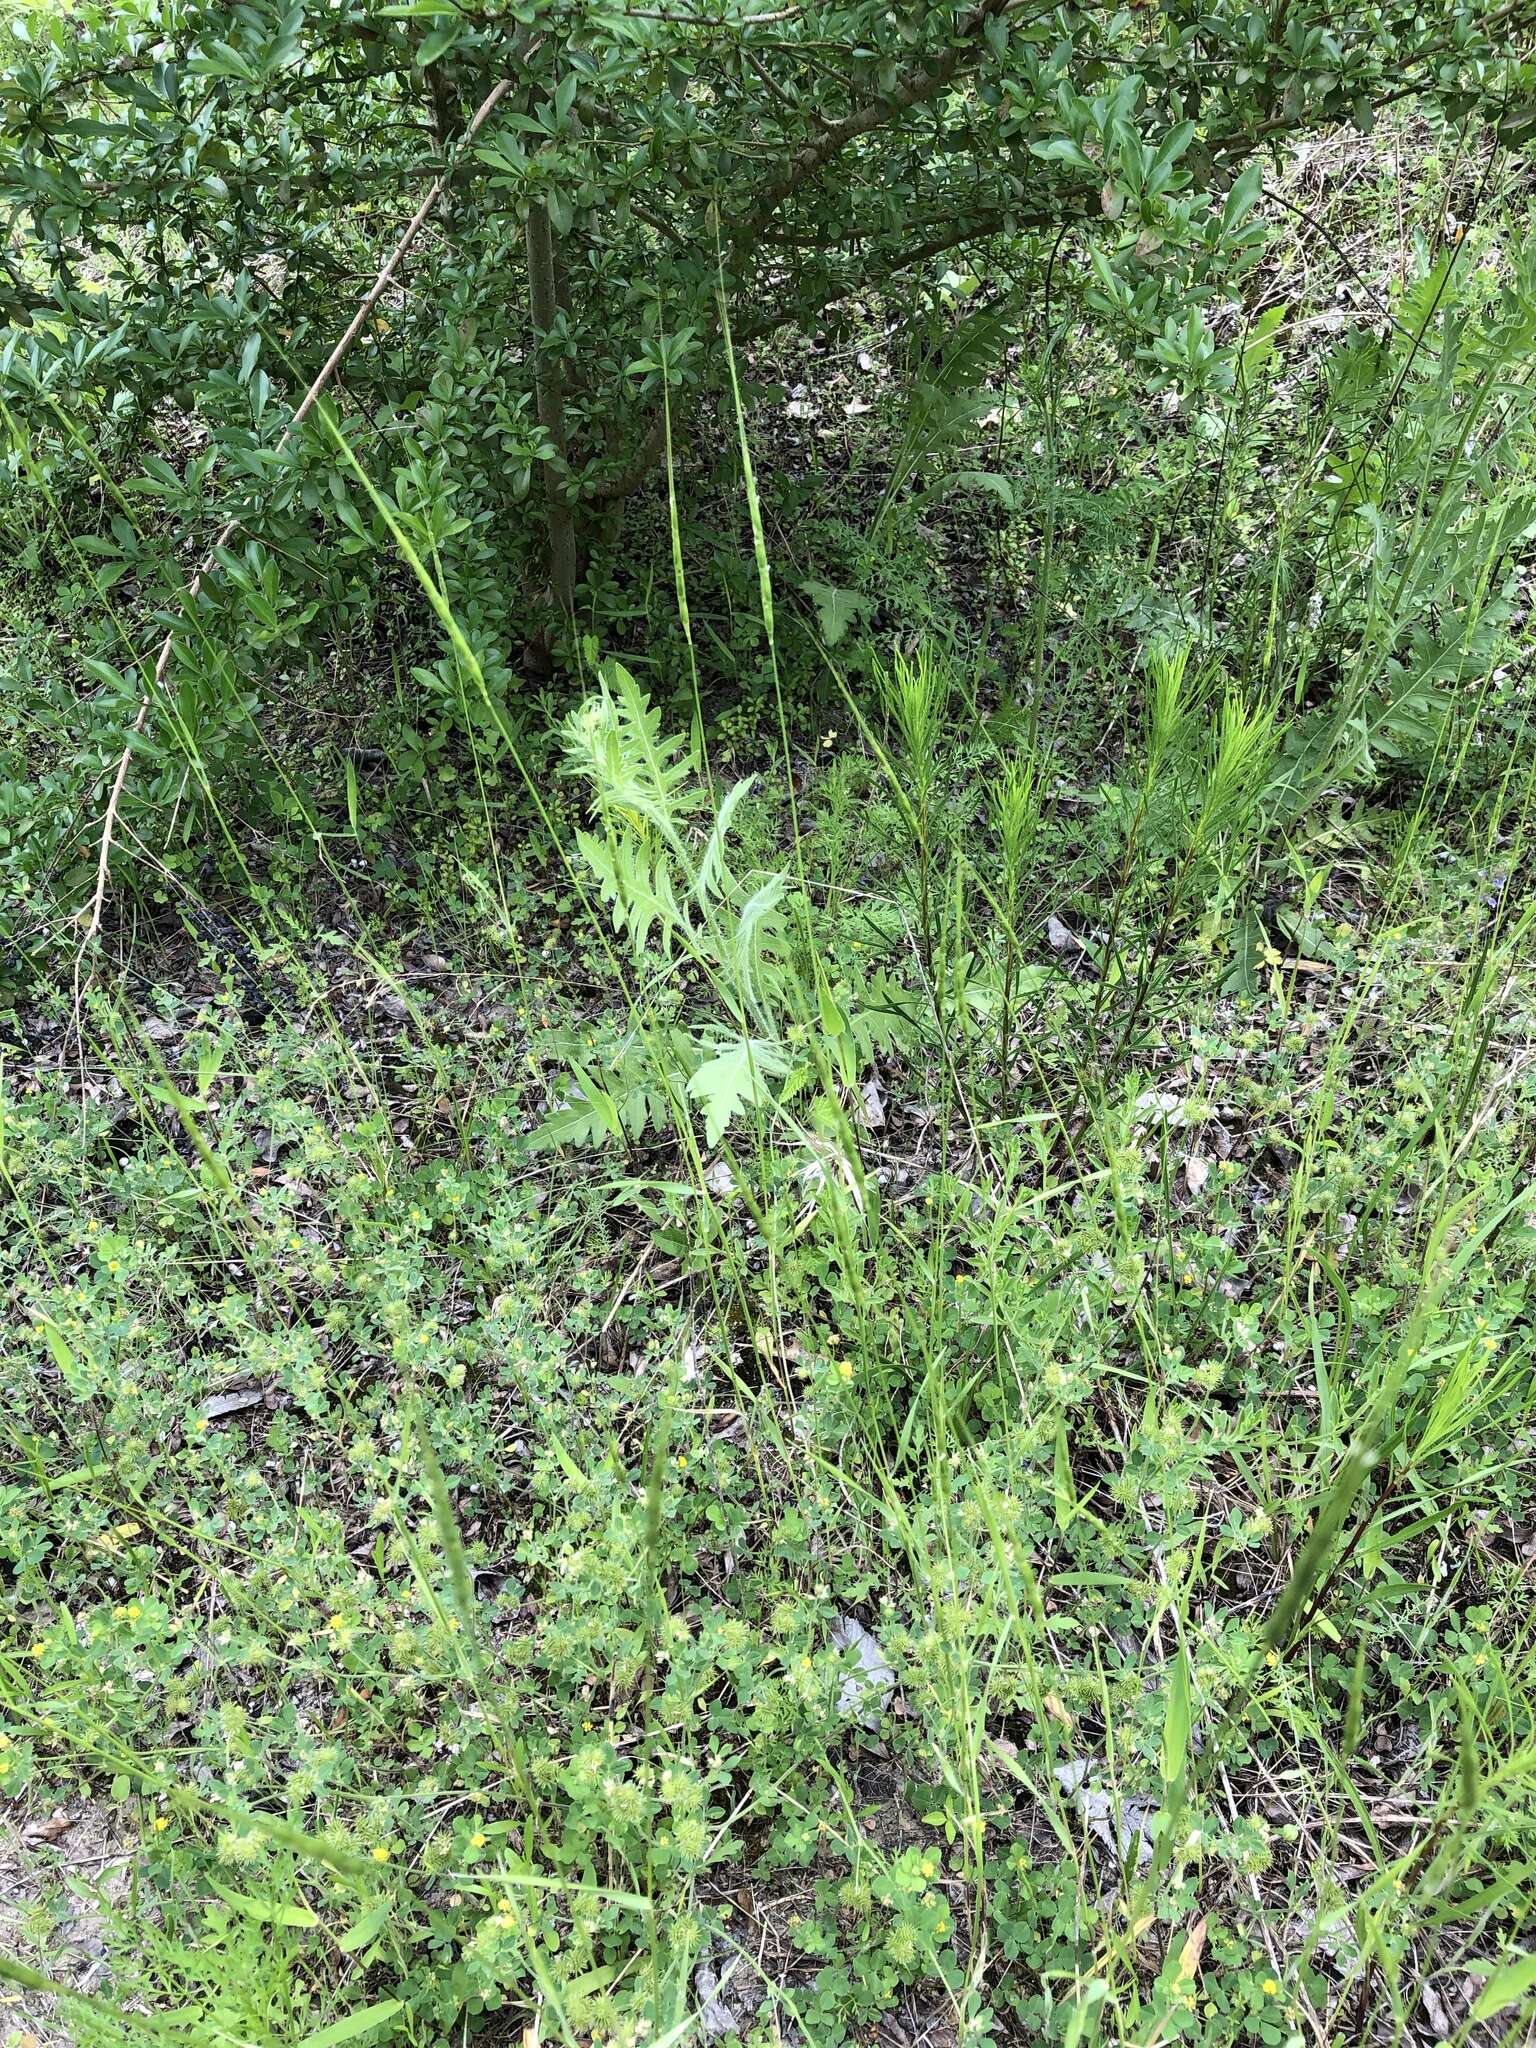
911	91
227	533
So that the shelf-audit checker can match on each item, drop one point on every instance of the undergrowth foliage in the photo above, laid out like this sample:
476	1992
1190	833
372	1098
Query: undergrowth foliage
198	190
685	920
819	1328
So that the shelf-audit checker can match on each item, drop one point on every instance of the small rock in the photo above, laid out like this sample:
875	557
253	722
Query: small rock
231	1404
1162	1102
1097	1809
720	1970
867	1691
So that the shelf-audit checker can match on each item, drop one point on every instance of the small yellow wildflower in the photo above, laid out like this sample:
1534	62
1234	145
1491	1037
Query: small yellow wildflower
380	1853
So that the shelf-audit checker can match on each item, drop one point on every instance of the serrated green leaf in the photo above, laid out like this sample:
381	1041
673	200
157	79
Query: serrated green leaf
836	609
734	1077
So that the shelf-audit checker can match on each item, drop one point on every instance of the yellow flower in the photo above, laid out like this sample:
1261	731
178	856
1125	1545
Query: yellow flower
845	1371
477	1840
38	1649
160	1823
380	1853
1269	1987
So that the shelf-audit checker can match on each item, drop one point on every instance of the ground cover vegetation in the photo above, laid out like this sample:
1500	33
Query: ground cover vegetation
767	1110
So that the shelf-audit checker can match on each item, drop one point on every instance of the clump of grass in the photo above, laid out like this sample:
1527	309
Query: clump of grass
915	690
1015	804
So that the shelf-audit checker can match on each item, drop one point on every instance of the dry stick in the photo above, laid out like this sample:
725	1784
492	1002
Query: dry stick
328	370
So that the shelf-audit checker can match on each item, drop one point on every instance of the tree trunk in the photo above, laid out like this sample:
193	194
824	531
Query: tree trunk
549	388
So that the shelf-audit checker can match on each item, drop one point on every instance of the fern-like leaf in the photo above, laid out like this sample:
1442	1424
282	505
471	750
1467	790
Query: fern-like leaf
734	1077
